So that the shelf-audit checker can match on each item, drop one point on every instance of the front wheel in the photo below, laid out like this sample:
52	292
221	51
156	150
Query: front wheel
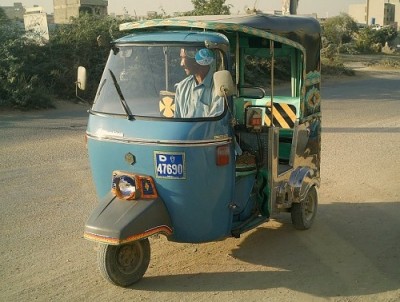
303	213
126	264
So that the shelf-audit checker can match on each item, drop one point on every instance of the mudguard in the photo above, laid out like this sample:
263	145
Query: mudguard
300	181
117	221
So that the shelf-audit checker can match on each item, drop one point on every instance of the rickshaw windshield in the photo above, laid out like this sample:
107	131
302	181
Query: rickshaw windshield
146	80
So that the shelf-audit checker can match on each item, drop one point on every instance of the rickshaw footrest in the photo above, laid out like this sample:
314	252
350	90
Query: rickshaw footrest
248	225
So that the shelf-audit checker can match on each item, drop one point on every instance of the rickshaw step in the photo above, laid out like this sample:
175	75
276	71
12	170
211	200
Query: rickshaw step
249	224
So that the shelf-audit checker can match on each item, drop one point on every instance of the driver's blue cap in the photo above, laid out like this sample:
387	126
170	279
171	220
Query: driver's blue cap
204	56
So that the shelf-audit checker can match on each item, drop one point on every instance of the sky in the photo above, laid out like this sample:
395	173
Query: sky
323	8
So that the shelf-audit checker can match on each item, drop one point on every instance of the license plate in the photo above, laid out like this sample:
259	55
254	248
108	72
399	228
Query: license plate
170	165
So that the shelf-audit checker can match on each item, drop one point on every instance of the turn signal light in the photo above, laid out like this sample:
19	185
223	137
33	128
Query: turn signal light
223	155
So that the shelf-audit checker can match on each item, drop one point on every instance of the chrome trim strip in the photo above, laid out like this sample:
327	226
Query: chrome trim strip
173	143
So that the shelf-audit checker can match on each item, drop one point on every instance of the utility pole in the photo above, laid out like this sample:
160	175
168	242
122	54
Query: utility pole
293	6
289	7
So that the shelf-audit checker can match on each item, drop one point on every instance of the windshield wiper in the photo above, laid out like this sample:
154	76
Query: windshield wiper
124	104
101	87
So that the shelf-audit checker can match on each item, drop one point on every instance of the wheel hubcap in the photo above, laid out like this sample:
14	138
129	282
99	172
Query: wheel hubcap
129	258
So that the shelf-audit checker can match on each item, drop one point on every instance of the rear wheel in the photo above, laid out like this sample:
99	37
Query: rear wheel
126	264
303	213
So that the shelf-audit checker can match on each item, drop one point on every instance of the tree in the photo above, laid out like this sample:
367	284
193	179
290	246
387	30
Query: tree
20	85
372	40
385	34
3	17
339	29
210	7
30	73
86	42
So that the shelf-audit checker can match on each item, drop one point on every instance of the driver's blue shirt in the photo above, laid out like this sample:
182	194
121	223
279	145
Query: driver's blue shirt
197	100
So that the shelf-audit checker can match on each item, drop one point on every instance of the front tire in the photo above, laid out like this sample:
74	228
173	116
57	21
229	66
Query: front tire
303	213
124	265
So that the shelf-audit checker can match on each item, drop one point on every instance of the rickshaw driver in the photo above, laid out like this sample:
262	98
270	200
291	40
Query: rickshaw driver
195	96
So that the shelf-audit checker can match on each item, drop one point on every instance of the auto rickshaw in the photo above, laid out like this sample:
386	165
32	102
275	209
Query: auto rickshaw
203	178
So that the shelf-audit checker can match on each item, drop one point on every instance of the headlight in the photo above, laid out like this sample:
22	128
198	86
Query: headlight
131	186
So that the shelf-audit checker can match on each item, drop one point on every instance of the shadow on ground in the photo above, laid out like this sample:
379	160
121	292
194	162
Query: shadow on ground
352	250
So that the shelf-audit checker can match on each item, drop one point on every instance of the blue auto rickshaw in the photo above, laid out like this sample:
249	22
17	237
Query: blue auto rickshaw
203	178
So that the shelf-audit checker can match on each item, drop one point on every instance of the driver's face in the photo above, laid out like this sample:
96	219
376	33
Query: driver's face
188	64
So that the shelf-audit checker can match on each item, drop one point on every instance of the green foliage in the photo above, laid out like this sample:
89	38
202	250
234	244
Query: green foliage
86	42
329	51
20	83
349	48
386	34
371	40
210	7
3	17
339	29
342	36
31	73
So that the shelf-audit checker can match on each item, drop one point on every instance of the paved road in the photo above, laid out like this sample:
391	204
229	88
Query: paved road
352	253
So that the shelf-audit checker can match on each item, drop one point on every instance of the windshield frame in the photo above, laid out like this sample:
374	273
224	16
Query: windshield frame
224	65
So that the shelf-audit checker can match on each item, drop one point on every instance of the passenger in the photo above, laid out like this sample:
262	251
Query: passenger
195	96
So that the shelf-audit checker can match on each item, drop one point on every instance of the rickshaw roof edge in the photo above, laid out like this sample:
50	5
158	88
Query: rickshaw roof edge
288	29
173	36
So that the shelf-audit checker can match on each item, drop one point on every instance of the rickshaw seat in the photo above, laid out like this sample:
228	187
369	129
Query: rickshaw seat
245	164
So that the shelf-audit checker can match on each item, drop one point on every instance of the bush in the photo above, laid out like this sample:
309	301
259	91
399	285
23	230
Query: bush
30	73
339	29
369	40
330	52
20	84
77	44
348	48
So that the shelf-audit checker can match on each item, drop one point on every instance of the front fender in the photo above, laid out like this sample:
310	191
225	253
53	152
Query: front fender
116	221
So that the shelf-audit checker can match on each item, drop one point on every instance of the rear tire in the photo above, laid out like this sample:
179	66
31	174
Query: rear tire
124	265
303	213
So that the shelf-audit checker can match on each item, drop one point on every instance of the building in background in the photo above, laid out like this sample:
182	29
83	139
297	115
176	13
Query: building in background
64	10
15	12
377	13
34	20
380	13
359	13
396	3
36	27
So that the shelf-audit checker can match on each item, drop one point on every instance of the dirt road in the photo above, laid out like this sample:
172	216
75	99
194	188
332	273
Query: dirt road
352	253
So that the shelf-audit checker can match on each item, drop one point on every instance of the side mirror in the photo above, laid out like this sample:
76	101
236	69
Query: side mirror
81	78
223	83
